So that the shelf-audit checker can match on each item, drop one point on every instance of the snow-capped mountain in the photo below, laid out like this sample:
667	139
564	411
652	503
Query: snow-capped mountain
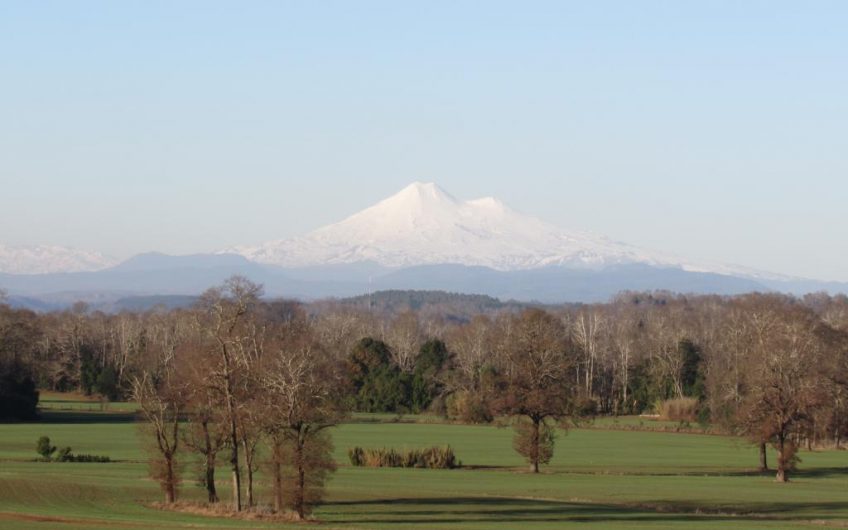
421	238
424	225
43	259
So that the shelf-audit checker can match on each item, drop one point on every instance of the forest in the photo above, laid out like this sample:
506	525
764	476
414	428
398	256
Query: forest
236	372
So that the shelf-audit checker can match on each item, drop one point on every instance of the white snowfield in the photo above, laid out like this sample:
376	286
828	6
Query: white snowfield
422	224
42	259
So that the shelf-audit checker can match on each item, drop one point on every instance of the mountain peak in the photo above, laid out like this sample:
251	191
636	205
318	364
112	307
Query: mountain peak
424	225
419	194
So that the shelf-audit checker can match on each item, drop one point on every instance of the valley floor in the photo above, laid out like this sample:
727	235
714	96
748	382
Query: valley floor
604	478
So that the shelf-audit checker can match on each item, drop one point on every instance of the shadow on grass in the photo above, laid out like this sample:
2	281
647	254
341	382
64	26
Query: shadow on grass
465	510
816	472
55	416
819	472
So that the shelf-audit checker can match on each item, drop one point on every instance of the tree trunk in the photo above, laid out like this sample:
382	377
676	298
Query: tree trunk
249	465
782	474
763	458
624	385
231	416
277	473
170	481
278	487
211	492
234	453
301	482
234	464
534	457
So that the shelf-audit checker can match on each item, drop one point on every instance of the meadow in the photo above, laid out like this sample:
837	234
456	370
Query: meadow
612	474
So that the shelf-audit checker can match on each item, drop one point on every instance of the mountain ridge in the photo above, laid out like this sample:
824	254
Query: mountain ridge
46	259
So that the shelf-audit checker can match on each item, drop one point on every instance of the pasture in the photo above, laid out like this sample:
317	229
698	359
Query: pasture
601	476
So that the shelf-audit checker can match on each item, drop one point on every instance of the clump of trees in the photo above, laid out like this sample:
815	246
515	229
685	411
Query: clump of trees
240	372
380	384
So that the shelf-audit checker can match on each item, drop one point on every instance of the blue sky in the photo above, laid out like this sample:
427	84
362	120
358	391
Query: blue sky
714	130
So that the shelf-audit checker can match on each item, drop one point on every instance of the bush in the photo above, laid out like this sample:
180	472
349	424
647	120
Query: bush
43	447
680	409
356	456
428	458
89	458
468	408
65	454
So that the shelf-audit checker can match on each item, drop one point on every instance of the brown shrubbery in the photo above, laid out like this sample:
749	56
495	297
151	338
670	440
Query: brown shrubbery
429	458
678	409
468	407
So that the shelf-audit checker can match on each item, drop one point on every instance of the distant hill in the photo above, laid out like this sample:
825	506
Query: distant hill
410	299
452	306
146	303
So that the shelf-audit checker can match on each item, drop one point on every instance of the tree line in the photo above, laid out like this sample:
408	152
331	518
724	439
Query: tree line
235	372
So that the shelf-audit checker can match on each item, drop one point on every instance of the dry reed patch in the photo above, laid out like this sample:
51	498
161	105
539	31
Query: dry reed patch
224	510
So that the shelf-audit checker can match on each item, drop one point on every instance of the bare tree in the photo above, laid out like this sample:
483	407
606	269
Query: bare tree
303	391
206	429
473	346
228	319
587	328
535	381
785	384
161	403
404	337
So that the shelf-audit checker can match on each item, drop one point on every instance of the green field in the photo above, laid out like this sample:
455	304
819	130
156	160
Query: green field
600	476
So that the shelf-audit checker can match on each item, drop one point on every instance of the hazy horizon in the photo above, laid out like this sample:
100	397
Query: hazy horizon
716	132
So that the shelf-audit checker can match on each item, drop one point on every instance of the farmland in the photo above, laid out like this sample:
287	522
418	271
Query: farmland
609	475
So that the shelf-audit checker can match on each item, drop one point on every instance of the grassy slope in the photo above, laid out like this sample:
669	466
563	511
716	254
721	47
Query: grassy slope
610	479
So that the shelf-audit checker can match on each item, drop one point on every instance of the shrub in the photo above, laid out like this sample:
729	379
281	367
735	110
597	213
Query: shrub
468	408
429	458
439	458
356	456
43	447
65	454
89	459
679	409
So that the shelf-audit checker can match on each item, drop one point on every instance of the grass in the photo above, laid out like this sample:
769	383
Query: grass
602	478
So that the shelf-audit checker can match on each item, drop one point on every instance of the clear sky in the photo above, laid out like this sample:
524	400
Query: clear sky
715	130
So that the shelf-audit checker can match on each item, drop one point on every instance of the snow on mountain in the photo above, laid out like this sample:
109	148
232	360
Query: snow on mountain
42	259
422	224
